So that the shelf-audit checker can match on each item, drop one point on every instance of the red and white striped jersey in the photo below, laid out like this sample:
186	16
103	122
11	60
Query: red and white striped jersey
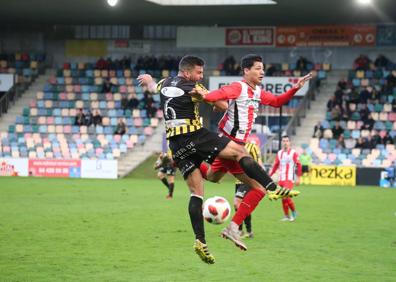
288	164
243	104
238	120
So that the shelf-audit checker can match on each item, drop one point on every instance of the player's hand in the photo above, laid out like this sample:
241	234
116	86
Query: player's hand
301	81
145	79
198	93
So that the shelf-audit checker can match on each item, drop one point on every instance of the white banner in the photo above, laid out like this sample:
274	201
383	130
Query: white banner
99	169
13	167
274	84
6	81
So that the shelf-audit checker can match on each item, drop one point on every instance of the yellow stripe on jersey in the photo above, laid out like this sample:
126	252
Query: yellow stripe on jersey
254	151
159	85
170	132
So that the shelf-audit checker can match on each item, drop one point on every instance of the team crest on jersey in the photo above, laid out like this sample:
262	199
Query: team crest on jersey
172	92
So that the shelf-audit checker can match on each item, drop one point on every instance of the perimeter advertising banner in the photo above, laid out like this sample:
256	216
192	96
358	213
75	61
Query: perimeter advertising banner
99	169
13	167
333	175
55	168
330	35
250	36
276	85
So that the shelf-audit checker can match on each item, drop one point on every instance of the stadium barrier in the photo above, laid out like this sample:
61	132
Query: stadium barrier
105	169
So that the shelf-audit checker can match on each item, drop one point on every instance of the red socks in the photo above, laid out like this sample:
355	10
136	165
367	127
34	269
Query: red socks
286	204
204	170
249	203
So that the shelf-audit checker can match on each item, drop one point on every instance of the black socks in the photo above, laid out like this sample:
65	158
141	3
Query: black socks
256	172
197	220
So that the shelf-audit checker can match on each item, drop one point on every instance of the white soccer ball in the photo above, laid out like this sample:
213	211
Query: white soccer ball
216	210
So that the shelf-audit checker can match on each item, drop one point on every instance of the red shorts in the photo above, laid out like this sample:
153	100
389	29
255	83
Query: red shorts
286	184
225	166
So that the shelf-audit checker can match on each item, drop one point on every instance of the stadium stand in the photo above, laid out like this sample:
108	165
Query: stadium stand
46	129
360	124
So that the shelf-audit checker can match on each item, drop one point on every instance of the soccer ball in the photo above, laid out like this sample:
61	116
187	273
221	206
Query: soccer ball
216	210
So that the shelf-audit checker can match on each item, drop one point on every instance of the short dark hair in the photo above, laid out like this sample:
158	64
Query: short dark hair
188	62
285	136
248	61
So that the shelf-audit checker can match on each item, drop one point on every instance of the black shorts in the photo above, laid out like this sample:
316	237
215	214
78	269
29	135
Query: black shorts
241	190
191	149
305	169
168	170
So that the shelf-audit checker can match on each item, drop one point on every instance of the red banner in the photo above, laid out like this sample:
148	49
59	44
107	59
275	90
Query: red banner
348	35
260	36
55	168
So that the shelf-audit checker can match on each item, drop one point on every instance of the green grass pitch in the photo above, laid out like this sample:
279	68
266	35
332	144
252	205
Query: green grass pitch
125	230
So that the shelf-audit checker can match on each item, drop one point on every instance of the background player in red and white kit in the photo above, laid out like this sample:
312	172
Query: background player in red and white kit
288	164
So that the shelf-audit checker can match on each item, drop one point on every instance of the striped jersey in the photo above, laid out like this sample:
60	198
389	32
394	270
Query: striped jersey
288	164
181	110
243	104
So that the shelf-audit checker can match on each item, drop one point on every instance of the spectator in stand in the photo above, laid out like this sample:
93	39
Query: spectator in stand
345	112
359	143
337	130
133	101
362	63
97	118
367	143
382	61
336	113
229	65
124	102
101	64
369	123
318	130
364	113
341	142
386	139
332	103
121	127
375	139
271	70
364	96
343	84
394	104
149	105
373	95
88	118
80	118
391	82
107	85
302	64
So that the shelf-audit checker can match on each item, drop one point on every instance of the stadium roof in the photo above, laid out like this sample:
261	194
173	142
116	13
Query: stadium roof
140	12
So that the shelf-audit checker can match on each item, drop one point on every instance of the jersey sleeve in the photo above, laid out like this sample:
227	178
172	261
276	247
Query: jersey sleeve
267	98
276	165
227	92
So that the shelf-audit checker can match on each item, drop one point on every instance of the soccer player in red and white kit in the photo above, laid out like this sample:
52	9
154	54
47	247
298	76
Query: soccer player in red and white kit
288	164
244	98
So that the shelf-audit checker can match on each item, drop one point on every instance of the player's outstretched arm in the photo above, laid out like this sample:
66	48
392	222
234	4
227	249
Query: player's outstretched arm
267	98
148	81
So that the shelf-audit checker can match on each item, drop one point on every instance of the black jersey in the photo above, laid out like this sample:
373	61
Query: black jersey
181	110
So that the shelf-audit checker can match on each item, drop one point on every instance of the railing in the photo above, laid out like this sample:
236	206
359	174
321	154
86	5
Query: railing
271	146
10	97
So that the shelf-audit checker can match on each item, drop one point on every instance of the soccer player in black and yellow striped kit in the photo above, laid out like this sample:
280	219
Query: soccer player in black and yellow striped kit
241	189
